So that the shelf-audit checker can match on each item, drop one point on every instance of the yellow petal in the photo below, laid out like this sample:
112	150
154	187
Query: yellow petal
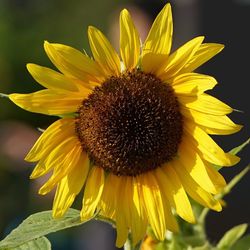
92	192
208	149
138	215
179	59
49	102
122	211
204	53
159	41
73	63
70	186
214	175
152	199
129	213
176	193
206	104
51	79
54	157
212	124
107	204
103	52
194	190
70	160
168	200
56	133
192	84
194	165
129	41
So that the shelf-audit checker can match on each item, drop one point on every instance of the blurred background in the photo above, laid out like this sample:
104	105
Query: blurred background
25	24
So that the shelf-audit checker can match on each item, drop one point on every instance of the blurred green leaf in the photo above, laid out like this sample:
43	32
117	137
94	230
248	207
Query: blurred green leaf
38	225
242	244
37	244
231	236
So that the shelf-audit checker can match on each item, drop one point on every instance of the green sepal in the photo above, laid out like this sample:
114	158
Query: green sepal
242	244
69	115
231	237
4	95
235	151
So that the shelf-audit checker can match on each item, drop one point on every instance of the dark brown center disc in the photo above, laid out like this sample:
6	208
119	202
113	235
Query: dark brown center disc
131	124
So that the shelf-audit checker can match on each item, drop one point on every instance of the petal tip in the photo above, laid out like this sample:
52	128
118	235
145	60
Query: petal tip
91	28
46	43
124	12
232	159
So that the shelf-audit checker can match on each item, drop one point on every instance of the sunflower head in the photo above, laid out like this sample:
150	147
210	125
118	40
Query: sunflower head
139	141
131	124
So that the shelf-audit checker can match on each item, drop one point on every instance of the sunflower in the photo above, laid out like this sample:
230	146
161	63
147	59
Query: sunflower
133	130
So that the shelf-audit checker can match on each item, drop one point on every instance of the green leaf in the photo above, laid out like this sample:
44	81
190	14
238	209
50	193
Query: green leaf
37	244
231	236
242	244
38	225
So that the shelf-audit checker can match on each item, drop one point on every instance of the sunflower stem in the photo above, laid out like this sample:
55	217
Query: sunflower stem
202	217
233	182
225	191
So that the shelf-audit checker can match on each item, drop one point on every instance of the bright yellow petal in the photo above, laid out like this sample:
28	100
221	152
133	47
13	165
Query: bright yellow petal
70	186
194	165
65	166
107	204
168	200
134	217
192	84
194	190
152	198
138	214
158	42
208	149
134	220
176	193
103	52
49	102
204	53
129	41
73	63
55	134
92	192
215	176
122	211
212	124
54	157
205	103
179	59
51	79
